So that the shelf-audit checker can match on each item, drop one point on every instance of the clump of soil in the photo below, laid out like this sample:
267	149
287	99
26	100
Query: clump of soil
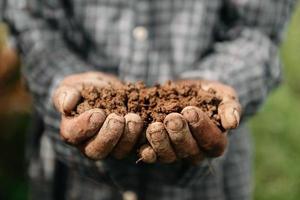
151	103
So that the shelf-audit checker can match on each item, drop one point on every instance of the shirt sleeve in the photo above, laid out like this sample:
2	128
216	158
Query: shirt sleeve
246	55
45	55
46	59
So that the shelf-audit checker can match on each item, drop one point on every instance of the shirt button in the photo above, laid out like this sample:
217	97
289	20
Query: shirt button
129	195
140	33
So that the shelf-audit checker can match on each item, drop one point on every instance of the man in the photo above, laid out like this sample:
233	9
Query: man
231	41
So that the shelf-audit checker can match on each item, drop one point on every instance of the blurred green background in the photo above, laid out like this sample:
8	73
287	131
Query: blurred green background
276	132
276	128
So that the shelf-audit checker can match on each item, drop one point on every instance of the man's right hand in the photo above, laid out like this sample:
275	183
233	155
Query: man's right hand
94	133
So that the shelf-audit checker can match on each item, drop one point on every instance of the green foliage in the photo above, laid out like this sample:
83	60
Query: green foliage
276	129
291	53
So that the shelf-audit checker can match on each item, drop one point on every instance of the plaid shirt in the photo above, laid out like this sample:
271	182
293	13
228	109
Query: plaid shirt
233	41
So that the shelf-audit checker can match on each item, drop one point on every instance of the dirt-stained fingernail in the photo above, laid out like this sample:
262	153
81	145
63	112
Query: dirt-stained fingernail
114	124
131	125
175	123
191	115
155	127
96	117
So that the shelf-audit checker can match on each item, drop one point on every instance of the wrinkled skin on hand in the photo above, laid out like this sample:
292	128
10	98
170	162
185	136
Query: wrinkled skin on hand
94	133
191	134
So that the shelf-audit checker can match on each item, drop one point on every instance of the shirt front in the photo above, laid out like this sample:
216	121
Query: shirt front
232	41
146	40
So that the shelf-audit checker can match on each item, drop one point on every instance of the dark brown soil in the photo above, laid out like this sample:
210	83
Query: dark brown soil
152	103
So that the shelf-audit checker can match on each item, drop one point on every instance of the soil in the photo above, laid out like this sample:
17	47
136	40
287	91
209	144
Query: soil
151	103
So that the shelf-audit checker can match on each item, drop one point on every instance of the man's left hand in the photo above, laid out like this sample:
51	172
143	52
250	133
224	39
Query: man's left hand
192	134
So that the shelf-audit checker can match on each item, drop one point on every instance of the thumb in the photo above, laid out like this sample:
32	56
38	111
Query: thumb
229	112
65	98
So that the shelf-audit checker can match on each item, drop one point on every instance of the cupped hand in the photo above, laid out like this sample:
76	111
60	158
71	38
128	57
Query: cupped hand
68	93
191	134
94	133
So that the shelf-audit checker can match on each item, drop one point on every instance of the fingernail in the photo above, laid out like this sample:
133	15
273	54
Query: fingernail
191	115
205	87
232	117
134	126
96	117
175	124
114	124
237	116
69	101
155	127
62	97
65	98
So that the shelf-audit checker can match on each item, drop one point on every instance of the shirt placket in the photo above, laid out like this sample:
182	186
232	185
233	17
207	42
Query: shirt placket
137	65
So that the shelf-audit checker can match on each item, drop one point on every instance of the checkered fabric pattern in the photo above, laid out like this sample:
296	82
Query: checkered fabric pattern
233	41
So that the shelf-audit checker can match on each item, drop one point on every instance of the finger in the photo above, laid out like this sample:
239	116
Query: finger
75	130
107	138
105	77
160	142
147	154
78	78
65	99
97	79
81	84
229	113
208	136
224	91
229	109
132	131
180	136
96	75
